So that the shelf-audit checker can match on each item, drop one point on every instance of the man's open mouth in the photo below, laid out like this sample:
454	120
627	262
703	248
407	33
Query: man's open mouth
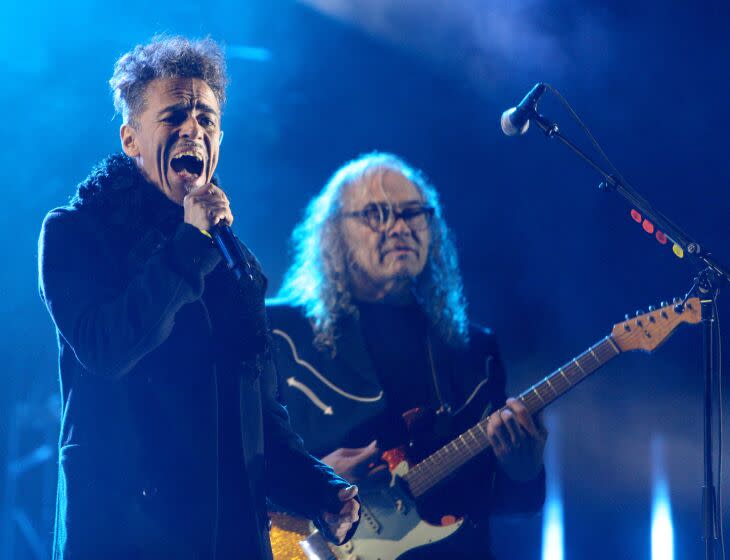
187	164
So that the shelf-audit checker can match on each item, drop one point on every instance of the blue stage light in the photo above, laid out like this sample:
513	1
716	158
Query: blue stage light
662	530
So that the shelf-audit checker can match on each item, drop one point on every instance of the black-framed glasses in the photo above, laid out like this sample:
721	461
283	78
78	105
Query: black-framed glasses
380	216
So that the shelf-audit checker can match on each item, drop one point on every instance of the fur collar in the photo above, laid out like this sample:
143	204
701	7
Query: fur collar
116	189
115	174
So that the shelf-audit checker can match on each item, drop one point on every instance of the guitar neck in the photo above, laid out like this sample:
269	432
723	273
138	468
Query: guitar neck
443	462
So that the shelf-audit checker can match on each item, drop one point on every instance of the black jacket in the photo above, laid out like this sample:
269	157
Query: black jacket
336	401
153	336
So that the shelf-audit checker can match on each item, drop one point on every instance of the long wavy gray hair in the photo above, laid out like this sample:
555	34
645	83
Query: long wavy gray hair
318	279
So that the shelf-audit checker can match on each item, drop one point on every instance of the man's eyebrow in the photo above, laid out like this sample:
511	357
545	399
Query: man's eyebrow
202	107
412	202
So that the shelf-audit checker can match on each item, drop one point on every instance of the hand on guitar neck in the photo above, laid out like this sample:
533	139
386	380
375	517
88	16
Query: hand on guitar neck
518	440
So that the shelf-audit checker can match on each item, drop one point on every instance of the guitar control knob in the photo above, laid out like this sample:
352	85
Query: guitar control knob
651	308
663	304
639	312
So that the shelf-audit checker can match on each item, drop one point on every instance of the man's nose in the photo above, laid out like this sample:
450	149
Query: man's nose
400	227
191	128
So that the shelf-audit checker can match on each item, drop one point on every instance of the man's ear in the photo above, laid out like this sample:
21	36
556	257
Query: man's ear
128	136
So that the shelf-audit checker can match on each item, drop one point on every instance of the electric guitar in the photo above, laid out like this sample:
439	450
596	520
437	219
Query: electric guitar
391	525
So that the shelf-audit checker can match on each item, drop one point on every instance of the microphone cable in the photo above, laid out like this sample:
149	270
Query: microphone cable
587	131
614	169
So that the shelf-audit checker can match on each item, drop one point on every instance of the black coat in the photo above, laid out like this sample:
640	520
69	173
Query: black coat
337	401
159	350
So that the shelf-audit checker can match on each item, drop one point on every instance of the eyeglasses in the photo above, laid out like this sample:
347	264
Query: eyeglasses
380	217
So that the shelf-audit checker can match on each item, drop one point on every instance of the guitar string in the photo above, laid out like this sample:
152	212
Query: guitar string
600	353
606	348
421	477
441	463
460	455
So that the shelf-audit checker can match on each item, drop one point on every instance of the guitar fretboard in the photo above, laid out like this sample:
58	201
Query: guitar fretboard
440	464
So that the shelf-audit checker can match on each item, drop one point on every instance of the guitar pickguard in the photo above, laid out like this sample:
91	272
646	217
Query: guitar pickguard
390	524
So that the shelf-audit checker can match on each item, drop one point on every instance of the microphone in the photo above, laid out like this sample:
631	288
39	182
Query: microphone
231	250
516	121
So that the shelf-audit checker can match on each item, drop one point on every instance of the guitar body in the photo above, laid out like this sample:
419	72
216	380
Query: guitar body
391	526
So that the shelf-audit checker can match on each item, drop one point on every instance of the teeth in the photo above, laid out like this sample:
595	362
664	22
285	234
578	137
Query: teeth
188	153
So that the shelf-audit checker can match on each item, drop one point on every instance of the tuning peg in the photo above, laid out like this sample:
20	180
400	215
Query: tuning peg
651	317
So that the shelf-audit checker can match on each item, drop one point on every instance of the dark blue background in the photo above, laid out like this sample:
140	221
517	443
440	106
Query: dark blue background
548	261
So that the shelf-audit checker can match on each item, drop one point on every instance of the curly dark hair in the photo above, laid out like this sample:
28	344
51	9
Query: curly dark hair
166	57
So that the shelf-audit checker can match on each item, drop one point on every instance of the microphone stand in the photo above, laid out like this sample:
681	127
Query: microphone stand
706	285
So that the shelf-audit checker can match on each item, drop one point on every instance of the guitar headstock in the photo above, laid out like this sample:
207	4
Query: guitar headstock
648	330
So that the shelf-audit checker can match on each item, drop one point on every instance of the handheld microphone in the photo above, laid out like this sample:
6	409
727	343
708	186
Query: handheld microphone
231	251
516	121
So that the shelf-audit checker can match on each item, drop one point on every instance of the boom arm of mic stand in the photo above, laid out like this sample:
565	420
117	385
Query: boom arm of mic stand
692	248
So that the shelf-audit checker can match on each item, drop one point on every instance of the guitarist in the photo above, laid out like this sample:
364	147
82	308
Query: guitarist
371	322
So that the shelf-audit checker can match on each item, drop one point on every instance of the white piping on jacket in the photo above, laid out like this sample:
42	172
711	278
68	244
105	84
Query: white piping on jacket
473	394
292	382
321	377
488	367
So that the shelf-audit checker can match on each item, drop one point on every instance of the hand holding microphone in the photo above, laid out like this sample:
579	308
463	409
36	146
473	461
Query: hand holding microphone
206	207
